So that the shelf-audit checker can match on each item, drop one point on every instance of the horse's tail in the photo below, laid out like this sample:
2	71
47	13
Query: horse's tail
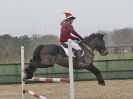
36	54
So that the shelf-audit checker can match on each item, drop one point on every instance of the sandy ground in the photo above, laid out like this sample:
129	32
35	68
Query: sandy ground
114	89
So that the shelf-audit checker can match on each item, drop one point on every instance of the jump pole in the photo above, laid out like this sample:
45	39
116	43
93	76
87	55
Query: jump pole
71	69
49	80
25	91
22	68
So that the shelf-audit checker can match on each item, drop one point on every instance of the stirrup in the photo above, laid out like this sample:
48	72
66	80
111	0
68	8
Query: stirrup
81	64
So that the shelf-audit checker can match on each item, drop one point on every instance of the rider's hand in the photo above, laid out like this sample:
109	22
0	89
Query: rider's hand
81	38
78	39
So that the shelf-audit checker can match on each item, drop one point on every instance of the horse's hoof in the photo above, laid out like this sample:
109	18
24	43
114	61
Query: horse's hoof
102	83
27	76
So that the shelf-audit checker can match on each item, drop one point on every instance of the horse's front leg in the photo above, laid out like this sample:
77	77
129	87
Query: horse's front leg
98	74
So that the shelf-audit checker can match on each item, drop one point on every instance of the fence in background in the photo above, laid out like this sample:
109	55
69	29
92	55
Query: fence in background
111	69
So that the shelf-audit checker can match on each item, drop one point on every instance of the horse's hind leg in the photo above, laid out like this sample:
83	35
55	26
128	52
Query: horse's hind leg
30	69
98	74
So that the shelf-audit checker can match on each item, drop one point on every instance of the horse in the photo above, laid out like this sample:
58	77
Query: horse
45	56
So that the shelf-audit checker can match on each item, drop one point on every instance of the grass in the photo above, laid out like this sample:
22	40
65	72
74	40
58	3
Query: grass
115	56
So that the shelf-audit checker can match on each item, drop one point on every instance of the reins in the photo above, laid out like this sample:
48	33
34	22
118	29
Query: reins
88	48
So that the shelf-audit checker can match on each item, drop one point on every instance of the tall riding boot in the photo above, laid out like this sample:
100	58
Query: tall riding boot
80	63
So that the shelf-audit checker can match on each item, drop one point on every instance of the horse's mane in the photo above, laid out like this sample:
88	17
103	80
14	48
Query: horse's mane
88	38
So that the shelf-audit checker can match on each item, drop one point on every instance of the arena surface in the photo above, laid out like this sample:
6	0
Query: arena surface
114	89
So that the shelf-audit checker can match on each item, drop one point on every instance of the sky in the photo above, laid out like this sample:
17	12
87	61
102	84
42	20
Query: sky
28	17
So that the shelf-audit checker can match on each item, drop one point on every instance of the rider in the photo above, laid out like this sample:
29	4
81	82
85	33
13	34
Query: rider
68	32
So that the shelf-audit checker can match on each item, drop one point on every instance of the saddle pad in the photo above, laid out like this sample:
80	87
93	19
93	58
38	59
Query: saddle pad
66	51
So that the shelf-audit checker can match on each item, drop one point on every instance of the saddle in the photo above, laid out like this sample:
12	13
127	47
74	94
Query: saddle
64	46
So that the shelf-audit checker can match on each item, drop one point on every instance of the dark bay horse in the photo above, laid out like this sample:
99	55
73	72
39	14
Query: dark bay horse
46	56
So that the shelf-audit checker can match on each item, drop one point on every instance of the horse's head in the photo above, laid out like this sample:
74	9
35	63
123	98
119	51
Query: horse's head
96	42
100	45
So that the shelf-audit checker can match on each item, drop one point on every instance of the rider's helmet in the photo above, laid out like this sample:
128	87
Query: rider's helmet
69	16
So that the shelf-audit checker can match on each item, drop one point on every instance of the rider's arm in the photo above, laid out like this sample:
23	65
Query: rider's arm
71	29
74	38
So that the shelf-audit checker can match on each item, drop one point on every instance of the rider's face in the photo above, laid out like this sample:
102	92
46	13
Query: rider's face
71	21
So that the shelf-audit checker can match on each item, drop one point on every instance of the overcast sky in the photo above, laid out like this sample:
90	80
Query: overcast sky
18	17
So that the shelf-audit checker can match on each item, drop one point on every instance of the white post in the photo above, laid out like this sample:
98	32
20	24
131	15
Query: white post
22	68
71	70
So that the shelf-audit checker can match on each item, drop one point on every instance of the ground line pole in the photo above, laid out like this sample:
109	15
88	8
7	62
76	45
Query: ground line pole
22	68
71	69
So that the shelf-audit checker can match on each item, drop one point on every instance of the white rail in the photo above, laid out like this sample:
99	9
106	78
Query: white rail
71	70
